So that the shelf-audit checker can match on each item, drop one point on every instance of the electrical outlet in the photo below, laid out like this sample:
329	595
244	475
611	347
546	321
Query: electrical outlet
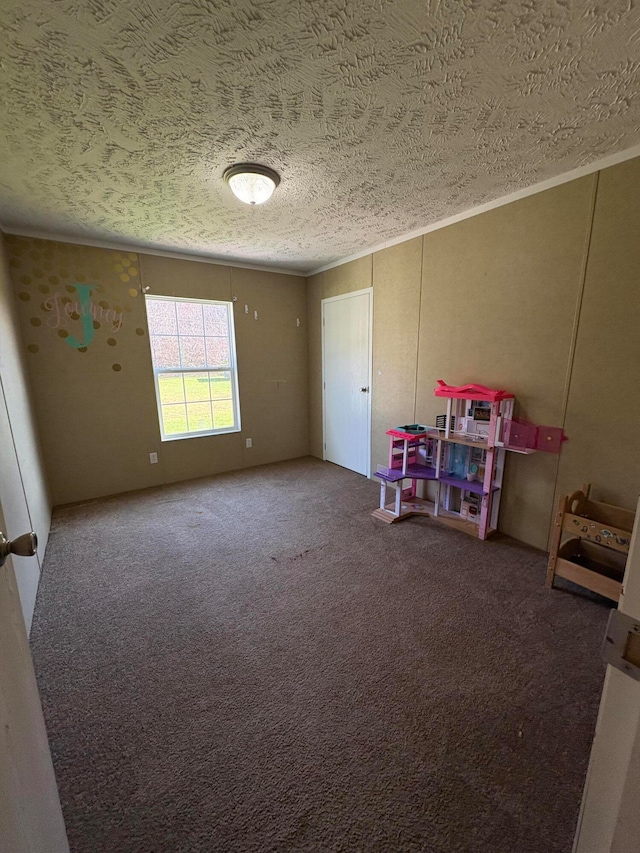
249	442
153	458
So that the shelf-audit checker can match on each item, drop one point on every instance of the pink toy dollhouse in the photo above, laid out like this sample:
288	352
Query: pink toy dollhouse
464	459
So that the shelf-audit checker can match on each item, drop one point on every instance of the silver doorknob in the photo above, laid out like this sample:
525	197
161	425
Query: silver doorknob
24	546
365	390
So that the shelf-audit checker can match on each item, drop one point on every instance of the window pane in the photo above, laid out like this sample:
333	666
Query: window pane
193	339
189	318
192	352
174	419
222	414
162	317
199	416
218	352
165	352
216	320
220	386
196	387
171	388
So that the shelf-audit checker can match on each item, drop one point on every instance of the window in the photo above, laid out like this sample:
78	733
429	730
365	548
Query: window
194	364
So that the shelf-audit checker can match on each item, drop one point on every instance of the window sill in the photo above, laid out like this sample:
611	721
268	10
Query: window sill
206	434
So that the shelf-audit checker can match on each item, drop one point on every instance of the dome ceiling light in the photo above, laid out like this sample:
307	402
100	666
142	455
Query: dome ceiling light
251	183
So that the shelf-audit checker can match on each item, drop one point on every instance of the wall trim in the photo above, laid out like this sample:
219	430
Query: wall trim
565	177
141	250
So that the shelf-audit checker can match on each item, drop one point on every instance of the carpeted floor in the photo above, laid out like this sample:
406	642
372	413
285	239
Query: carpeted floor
252	663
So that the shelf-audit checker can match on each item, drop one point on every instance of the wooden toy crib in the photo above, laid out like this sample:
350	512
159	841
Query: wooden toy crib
590	543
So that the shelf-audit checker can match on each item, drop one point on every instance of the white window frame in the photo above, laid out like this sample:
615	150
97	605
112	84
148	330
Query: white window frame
232	368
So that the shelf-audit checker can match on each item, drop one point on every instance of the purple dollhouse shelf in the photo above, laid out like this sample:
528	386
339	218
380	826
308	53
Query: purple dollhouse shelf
426	472
475	486
414	472
389	475
421	472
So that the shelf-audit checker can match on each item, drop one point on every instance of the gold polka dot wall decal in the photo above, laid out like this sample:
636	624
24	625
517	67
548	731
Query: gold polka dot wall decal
124	277
140	332
43	288
117	308
127	308
133	271
96	325
112	342
133	292
126	262
118	268
81	277
35	321
82	349
38	273
54	279
133	256
63	333
25	279
117	367
25	296
70	288
103	304
65	300
33	348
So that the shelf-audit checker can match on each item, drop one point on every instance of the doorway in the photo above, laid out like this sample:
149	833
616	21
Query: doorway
346	379
16	512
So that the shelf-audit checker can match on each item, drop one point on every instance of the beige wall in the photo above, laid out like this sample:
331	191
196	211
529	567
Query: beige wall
498	299
97	404
603	410
396	318
498	303
539	296
24	495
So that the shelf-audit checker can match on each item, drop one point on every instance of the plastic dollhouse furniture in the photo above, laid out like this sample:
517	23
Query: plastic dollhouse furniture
463	457
590	543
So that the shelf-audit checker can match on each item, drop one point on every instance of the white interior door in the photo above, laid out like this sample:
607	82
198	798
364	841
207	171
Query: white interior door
610	817
16	513
30	815
346	359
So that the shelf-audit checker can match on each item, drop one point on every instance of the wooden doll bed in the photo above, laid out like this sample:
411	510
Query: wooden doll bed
590	543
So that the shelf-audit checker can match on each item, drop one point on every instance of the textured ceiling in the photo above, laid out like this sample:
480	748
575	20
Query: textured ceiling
381	116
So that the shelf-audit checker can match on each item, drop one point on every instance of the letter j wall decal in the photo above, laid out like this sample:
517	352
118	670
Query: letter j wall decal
84	304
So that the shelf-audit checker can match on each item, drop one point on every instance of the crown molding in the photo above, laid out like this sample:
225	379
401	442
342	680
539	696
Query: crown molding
144	250
565	177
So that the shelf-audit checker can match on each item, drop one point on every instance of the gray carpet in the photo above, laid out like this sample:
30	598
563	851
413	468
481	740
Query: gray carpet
252	663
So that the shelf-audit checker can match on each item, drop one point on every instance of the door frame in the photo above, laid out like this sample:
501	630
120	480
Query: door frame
608	820
367	291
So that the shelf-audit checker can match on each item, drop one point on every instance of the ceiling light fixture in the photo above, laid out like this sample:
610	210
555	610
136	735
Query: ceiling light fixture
251	183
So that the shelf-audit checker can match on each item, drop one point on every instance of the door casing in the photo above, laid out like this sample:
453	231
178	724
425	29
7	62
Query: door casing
368	291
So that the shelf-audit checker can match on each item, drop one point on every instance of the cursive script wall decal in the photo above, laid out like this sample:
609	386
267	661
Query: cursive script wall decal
86	309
